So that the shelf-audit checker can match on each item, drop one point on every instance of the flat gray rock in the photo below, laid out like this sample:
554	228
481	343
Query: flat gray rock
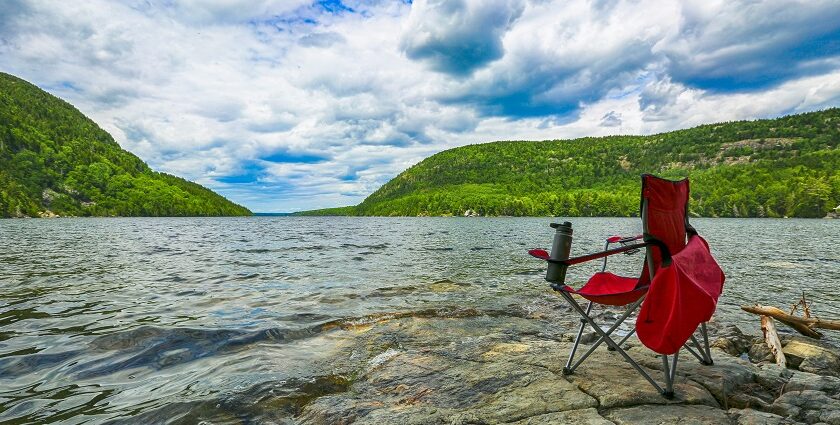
800	381
808	406
581	417
669	414
491	369
809	355
755	417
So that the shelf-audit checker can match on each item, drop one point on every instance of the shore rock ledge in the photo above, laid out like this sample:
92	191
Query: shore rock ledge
488	370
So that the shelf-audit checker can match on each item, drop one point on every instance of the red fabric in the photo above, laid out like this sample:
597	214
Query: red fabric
610	289
681	296
666	212
539	253
684	293
605	287
613	239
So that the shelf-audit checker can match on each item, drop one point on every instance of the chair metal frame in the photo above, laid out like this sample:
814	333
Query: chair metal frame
629	246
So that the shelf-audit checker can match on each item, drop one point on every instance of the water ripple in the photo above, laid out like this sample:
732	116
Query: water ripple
228	320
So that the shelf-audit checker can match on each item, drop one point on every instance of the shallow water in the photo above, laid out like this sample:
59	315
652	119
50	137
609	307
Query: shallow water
181	319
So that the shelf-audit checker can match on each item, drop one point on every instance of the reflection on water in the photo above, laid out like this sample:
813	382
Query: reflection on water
224	319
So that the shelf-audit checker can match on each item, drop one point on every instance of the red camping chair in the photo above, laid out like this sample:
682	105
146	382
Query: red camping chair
680	282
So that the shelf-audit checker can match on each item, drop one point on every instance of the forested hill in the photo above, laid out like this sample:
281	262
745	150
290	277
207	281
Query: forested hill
55	160
788	166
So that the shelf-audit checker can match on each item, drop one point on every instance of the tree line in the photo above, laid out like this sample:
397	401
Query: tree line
784	167
54	158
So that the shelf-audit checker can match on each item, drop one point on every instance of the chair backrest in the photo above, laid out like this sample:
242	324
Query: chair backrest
664	210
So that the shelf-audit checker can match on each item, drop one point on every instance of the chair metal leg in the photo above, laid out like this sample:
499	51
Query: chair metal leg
699	348
669	378
705	332
630	309
701	359
606	338
706	358
568	369
674	366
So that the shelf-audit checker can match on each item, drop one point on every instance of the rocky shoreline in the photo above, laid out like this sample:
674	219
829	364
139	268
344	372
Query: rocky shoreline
468	367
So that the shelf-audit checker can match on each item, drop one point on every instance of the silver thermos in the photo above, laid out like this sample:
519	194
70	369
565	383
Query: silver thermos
560	249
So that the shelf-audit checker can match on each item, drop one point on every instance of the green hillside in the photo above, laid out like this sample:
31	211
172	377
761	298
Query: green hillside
53	158
788	166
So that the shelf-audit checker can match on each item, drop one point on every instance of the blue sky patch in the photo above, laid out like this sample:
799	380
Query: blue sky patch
300	158
316	103
250	172
333	6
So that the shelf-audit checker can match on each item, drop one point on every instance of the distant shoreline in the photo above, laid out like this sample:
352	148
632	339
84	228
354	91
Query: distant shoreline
382	216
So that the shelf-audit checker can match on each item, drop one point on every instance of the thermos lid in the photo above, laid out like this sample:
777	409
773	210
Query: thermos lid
567	224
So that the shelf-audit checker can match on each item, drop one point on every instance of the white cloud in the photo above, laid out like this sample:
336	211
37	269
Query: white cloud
458	36
289	105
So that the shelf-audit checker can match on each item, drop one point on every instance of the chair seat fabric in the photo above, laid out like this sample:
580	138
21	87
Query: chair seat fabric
682	295
603	287
610	289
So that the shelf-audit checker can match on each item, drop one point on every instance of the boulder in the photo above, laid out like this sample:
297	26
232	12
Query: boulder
773	377
728	377
801	381
760	352
731	340
809	355
808	406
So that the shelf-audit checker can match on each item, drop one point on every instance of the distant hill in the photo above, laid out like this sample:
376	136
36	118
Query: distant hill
54	160
788	166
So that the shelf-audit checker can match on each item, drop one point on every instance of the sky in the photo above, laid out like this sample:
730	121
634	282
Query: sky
291	105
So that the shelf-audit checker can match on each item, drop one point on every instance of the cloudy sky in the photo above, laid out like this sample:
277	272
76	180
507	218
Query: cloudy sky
294	104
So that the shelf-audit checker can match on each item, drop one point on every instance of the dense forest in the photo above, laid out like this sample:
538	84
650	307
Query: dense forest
784	167
54	159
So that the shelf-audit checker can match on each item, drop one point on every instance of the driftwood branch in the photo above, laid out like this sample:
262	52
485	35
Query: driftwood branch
806	307
771	337
805	326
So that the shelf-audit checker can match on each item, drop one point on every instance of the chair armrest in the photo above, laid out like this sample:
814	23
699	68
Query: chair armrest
543	254
624	239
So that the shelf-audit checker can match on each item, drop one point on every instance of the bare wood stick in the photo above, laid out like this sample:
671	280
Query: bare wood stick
806	307
780	315
771	337
802	325
799	324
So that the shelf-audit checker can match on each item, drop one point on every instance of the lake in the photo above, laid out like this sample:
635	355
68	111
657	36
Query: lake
115	319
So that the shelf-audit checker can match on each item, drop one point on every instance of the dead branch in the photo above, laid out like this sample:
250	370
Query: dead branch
771	337
805	326
806	307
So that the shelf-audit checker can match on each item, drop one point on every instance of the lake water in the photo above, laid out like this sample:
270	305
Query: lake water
115	319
